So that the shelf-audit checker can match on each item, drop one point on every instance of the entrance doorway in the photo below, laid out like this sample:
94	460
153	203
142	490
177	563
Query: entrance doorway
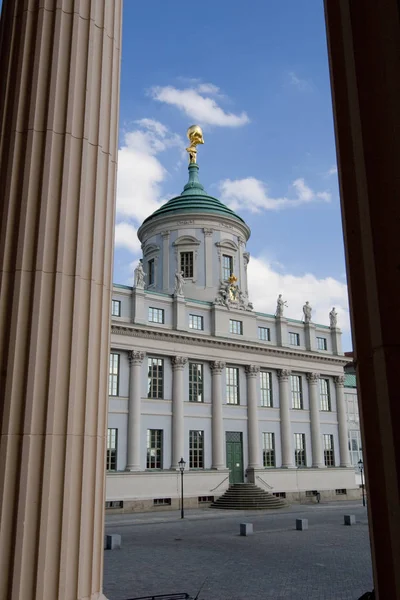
234	456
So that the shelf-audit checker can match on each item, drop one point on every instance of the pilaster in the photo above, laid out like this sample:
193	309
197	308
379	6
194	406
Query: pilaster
139	311
309	336
178	442
252	372
286	429
336	340
179	313
281	331
342	420
165	260
208	254
316	440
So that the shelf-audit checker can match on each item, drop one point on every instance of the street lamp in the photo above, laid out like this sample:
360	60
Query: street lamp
182	465
361	469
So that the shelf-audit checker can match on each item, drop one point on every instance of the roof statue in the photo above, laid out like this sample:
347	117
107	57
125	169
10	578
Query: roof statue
195	136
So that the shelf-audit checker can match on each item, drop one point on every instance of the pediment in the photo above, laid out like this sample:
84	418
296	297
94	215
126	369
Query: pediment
150	249
186	240
228	244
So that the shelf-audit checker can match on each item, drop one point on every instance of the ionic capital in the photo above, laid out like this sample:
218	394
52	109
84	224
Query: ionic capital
252	370
283	374
313	378
217	366
178	362
135	357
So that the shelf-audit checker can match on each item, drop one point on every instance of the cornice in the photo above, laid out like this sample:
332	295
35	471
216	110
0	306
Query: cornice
191	340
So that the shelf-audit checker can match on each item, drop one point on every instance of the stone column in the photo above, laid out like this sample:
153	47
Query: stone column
316	440
252	372
178	429
286	430
60	64
134	410
208	254
217	417
342	419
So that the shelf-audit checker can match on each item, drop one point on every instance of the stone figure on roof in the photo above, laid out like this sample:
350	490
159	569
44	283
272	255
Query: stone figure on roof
280	305
333	318
307	311
179	281
139	275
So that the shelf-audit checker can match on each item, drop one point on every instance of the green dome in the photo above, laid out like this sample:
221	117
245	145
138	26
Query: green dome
194	199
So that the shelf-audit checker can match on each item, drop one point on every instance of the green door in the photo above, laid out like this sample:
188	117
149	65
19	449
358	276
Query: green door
234	456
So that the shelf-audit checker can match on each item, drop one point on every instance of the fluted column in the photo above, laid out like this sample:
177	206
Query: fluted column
217	417
316	440
286	430
134	410
342	419
59	64
252	372
178	440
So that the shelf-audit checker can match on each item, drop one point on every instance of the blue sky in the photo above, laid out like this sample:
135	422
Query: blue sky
256	79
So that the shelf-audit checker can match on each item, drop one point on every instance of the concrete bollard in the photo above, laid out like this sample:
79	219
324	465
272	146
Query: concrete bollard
113	541
246	528
301	524
349	519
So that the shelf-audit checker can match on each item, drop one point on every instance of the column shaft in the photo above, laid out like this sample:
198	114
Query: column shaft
217	416
286	430
178	440
252	372
342	419
134	410
316	440
59	63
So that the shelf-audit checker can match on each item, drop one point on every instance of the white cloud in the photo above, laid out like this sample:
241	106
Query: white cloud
332	170
126	237
193	101
265	284
140	173
301	84
252	194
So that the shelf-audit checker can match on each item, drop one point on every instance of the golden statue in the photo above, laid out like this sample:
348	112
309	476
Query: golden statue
195	136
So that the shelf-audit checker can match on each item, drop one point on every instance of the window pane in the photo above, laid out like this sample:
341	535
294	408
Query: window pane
154	449
264	334
321	343
266	388
300	449
324	395
296	390
269	449
227	266
156	315
111	457
195	382
187	264
116	308
150	271
155	384
294	339
232	385
235	327
113	378
196	449
196	322
329	455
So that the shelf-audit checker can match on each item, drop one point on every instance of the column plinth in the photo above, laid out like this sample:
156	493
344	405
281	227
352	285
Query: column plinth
316	441
178	440
252	372
134	410
217	417
286	430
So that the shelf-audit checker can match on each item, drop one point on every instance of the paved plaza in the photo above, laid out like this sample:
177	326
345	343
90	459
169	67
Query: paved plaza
163	554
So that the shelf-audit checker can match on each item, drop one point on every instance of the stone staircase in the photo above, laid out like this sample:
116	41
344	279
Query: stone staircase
248	496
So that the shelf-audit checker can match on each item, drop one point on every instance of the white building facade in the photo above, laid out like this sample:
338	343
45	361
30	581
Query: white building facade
196	373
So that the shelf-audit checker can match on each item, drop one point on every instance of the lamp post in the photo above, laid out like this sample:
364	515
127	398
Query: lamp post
361	469
182	465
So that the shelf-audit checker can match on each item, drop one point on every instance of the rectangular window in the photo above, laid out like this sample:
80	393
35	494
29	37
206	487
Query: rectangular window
321	343
324	395
115	308
187	264
329	454
155	378
195	382
294	339
227	266
154	449
300	449
113	380
196	449
355	446
266	388
232	385
352	407
236	327
156	315
264	334
268	449
296	391
112	439
196	322
151	271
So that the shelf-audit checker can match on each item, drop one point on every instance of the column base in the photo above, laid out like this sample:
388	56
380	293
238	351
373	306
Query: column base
319	466
131	468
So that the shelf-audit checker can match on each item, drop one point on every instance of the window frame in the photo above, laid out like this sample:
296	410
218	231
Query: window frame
297	395
269	454
232	387
195	383
184	266
300	454
229	268
152	311
329	452
151	272
268	334
151	378
113	304
114	373
112	450
235	324
158	448
196	450
194	318
325	403
325	343
267	397
296	336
